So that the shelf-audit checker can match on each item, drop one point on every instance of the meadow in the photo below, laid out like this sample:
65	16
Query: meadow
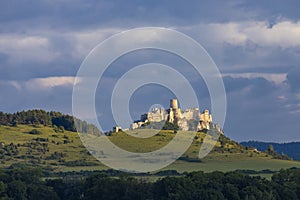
63	151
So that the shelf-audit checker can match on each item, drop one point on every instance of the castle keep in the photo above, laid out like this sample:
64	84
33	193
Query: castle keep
190	119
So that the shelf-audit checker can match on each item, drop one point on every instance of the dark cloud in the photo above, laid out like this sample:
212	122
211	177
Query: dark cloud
37	70
78	14
257	108
255	58
273	10
255	111
293	79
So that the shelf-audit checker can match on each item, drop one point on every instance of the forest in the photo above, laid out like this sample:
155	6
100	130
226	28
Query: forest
52	118
28	183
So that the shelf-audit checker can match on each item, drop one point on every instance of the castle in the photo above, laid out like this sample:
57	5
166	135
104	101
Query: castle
188	120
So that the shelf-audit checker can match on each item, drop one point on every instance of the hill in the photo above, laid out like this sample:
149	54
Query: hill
292	149
57	120
62	151
49	140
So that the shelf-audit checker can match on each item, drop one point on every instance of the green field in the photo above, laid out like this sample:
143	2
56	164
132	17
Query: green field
64	151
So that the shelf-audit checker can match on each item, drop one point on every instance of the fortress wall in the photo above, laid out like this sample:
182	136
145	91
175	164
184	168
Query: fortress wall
191	113
205	116
157	115
188	115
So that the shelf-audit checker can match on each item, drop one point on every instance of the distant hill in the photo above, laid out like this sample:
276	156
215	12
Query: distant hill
292	149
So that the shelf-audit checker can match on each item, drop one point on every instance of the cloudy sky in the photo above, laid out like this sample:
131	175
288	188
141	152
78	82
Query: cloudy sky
255	44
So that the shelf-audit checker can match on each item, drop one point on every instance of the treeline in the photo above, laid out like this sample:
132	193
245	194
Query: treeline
292	149
41	117
28	184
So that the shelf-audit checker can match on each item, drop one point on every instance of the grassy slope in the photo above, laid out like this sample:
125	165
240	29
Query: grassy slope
229	156
74	150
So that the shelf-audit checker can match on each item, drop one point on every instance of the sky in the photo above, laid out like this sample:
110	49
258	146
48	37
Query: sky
255	44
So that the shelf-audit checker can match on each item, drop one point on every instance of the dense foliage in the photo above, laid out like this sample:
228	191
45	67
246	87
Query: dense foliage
27	183
163	125
40	117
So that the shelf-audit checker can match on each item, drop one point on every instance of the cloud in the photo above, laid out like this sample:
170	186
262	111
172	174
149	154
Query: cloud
258	108
15	84
50	82
256	45
235	44
50	93
85	41
26	48
81	14
283	34
275	78
250	46
272	10
43	83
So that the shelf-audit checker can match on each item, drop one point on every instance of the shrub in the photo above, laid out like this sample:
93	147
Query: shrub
35	132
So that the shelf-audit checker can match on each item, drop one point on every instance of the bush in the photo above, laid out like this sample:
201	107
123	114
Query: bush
80	163
35	132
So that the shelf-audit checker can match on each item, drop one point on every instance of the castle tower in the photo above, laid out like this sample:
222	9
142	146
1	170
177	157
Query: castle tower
174	104
171	116
174	111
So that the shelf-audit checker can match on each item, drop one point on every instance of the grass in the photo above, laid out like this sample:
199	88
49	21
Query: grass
142	145
226	156
256	164
74	150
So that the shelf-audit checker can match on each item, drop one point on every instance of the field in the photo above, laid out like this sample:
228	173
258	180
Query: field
63	151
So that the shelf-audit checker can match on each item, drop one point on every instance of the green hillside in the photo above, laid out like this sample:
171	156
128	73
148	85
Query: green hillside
62	150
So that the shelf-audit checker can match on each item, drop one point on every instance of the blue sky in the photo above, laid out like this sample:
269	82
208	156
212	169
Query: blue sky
255	44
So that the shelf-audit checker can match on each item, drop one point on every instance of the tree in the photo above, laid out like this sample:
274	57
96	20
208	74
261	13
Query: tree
17	190
3	188
170	126
271	148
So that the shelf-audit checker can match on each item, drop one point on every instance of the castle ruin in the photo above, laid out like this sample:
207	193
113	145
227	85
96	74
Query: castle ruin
190	119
